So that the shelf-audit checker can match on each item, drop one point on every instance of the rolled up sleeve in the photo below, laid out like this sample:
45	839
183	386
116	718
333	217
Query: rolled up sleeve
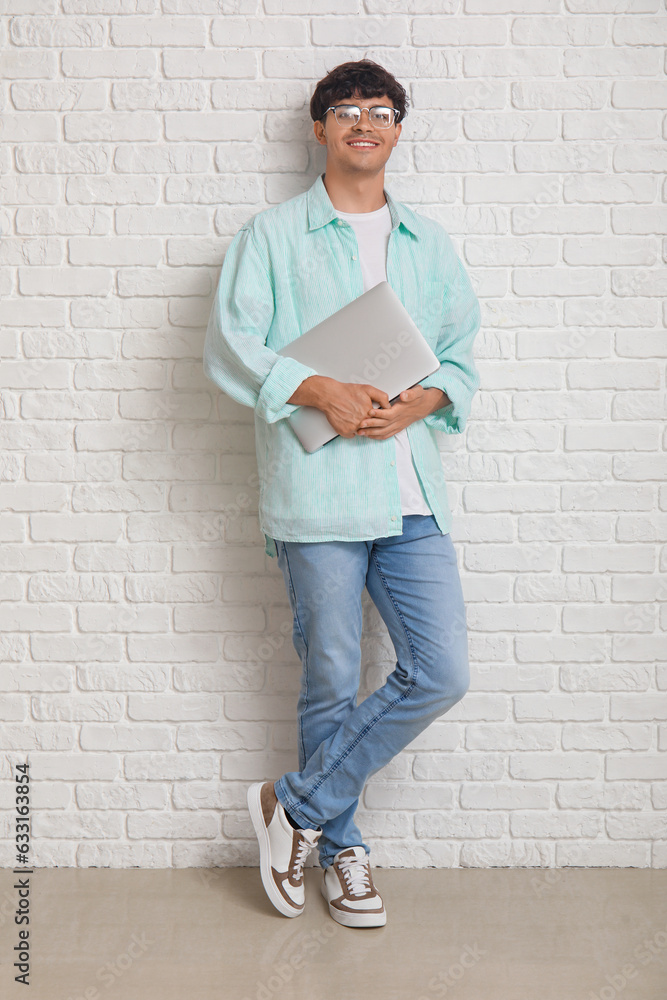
236	357
457	376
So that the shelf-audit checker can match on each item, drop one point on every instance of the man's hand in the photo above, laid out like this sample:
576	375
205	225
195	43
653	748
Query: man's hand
348	406
345	404
412	404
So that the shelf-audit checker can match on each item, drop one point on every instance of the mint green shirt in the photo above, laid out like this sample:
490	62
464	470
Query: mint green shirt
288	268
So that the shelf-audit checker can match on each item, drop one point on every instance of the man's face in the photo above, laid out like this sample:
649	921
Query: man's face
342	141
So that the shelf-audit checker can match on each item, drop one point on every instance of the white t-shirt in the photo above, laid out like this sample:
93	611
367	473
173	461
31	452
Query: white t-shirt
372	231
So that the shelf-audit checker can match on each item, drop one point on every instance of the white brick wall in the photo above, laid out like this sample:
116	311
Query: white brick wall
147	670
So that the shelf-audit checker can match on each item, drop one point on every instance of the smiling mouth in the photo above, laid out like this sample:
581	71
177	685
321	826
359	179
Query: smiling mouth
362	144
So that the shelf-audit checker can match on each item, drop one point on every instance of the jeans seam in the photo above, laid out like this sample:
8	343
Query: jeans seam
369	725
305	643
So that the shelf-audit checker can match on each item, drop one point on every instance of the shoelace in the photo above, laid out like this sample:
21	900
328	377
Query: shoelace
302	852
357	875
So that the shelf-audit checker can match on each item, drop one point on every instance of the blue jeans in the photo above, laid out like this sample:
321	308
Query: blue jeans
414	582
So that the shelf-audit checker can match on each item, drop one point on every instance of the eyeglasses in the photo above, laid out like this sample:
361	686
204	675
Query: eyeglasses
349	114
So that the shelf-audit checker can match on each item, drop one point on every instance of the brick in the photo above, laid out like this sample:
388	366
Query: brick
151	855
59	32
110	62
173	826
245	736
173	707
115	251
120	126
213	64
95	708
114	795
77	826
639	31
558	30
58	96
640	94
122	737
74	766
157	31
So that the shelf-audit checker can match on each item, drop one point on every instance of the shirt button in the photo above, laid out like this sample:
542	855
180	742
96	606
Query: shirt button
341	221
354	258
393	462
393	517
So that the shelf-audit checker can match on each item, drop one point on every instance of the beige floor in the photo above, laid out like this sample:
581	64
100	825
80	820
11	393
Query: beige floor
473	934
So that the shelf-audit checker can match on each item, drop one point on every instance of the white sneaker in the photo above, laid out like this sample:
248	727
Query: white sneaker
348	888
282	849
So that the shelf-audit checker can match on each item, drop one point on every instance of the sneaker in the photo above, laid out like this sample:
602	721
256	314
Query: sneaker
348	888
282	849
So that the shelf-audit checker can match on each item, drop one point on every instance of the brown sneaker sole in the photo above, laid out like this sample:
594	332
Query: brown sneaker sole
359	919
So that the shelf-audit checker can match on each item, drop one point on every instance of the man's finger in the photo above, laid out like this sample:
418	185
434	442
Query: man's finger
379	396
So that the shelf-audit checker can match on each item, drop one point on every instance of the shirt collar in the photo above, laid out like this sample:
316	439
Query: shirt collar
321	210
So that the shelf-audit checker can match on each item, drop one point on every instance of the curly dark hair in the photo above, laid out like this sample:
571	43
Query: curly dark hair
366	78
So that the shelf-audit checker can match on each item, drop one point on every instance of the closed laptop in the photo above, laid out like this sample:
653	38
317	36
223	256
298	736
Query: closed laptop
372	340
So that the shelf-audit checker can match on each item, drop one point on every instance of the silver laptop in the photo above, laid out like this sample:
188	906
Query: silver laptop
372	340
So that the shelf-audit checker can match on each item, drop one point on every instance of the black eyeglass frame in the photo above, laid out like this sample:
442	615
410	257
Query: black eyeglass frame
385	107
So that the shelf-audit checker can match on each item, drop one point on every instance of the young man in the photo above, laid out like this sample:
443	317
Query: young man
370	508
